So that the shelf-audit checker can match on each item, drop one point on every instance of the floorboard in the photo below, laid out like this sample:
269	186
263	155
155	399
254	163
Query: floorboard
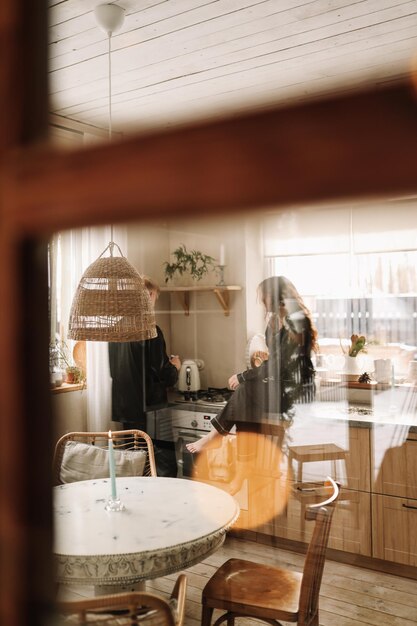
350	596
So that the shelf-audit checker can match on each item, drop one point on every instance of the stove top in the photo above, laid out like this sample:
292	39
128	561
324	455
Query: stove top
209	403
212	396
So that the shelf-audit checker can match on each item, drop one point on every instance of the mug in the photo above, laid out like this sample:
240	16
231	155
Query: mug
321	360
412	371
382	370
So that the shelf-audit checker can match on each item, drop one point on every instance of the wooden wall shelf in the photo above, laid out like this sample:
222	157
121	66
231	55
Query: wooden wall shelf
220	291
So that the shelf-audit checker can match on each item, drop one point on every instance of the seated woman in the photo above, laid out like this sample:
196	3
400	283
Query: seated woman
282	379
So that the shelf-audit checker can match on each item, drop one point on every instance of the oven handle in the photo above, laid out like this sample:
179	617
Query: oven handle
191	435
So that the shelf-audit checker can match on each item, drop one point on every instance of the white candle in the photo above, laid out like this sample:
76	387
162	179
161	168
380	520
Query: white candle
112	468
222	255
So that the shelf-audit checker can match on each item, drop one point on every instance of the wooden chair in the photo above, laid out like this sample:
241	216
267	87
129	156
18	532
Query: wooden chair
247	589
123	440
127	609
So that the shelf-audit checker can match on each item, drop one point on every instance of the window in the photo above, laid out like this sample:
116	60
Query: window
355	267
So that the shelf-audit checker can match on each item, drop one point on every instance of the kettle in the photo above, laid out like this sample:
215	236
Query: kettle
189	379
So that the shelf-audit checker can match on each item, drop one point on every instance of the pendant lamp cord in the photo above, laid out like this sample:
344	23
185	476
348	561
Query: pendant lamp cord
110	128
110	248
111	244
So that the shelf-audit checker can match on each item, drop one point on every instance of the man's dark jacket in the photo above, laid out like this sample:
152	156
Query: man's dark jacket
141	373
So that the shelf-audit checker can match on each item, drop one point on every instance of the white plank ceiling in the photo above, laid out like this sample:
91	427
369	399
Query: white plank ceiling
178	60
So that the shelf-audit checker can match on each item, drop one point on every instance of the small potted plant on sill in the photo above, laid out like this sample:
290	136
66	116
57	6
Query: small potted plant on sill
61	360
74	375
188	263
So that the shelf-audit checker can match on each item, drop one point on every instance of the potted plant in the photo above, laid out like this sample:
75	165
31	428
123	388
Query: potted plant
73	375
60	360
357	345
353	365
189	262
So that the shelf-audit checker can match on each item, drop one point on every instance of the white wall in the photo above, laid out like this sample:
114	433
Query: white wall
207	334
69	411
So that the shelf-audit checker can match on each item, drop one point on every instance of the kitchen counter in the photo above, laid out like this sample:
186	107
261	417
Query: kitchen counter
386	409
398	407
369	447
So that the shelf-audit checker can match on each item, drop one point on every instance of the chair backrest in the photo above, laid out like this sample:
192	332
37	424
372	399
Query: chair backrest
123	609
83	455
322	513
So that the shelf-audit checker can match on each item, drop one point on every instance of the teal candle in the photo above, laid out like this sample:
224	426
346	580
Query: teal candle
112	468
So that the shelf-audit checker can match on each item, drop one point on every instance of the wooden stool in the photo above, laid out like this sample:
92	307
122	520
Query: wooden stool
309	454
316	452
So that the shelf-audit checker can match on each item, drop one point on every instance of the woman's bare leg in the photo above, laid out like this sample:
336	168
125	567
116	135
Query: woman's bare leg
244	466
243	471
213	439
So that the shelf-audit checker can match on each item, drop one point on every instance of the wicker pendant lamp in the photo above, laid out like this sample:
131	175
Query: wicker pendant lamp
111	302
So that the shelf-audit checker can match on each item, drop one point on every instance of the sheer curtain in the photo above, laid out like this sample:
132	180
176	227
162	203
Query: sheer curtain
79	249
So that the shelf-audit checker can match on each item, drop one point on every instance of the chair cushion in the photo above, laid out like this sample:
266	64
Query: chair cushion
83	461
254	589
105	619
147	616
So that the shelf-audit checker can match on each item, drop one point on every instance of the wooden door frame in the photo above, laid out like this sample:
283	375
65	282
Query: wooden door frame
359	145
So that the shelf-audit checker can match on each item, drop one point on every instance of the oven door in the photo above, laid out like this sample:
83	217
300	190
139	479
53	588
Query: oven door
189	464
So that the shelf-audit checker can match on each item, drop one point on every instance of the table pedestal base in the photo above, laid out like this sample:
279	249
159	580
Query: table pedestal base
102	590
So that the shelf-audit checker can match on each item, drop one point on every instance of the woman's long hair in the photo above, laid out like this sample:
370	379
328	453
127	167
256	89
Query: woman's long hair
274	290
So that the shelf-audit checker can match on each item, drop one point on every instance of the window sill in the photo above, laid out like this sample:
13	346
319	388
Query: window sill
68	387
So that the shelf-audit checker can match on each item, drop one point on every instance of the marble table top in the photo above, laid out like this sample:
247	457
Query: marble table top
168	524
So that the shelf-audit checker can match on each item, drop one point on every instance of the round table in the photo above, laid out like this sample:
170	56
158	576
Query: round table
168	525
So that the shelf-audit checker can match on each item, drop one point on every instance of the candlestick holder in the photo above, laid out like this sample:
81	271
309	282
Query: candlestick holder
114	504
220	271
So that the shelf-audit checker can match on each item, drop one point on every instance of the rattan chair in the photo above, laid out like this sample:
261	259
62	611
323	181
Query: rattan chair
126	609
247	589
123	440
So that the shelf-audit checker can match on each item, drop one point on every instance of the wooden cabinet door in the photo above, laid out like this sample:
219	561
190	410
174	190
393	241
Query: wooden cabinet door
394	529
351	524
394	461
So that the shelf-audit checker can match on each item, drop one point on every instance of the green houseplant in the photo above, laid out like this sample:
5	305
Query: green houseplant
191	262
60	359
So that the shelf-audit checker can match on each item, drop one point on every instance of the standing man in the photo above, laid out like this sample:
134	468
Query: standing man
141	373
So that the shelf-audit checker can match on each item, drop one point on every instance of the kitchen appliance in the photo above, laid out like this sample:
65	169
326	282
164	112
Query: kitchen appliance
189	379
185	421
181	426
213	396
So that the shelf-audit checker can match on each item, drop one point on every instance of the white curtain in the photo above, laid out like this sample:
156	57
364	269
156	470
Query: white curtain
79	249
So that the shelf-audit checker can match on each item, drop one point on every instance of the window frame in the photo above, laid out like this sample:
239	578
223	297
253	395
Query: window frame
351	145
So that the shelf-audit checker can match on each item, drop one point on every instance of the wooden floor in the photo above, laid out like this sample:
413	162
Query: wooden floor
349	595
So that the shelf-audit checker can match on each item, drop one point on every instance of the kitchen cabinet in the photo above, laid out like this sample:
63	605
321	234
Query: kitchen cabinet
394	529
338	449
222	293
394	461
394	498
376	465
373	459
351	525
